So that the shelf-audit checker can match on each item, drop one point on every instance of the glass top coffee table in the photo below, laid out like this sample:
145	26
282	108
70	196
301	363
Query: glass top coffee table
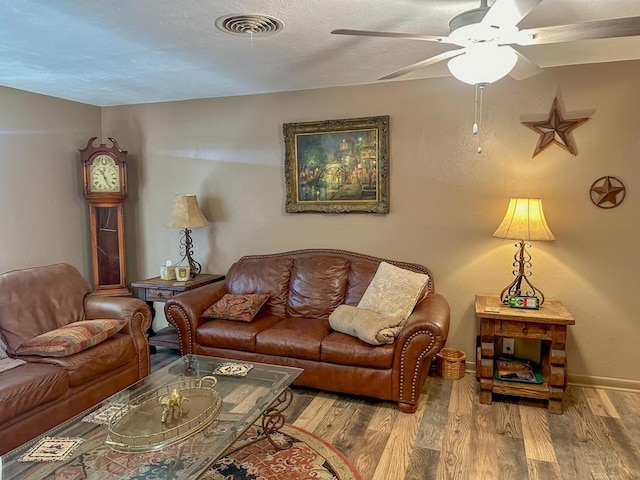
259	397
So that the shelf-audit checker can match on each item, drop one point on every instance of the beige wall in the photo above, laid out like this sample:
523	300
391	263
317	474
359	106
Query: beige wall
43	216
446	200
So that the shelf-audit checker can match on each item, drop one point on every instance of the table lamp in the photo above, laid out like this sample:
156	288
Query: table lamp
524	221
186	214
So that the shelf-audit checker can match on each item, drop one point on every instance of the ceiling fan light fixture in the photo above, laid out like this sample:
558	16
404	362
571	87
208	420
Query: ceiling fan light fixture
483	64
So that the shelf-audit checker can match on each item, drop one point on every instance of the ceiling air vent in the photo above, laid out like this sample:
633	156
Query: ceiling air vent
249	25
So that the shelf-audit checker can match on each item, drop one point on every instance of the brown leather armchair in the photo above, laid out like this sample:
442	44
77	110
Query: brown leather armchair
47	390
292	329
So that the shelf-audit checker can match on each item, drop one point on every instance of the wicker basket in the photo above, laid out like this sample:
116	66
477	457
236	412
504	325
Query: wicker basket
450	363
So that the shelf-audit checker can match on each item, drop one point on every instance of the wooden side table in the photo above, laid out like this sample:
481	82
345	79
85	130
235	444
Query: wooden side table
157	290
548	324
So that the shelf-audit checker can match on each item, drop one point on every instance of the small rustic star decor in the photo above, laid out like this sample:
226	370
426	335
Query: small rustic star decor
555	130
607	192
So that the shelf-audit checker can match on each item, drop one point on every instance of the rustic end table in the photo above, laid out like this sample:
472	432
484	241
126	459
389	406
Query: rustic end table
158	290
548	324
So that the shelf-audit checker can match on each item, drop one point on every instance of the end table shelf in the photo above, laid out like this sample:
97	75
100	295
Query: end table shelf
548	324
166	337
157	290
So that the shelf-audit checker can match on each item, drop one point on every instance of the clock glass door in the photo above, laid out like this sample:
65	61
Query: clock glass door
108	245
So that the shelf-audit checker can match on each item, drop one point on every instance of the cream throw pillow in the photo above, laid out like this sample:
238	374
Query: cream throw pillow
368	326
394	291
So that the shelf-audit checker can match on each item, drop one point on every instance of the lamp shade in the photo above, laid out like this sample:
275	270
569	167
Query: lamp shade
483	64
186	213
524	220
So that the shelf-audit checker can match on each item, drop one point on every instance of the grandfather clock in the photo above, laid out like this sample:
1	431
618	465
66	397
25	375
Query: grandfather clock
104	185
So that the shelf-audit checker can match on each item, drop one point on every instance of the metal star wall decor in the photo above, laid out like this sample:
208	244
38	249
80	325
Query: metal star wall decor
607	192
555	130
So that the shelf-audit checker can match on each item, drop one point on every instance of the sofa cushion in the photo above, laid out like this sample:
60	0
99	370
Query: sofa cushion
262	275
318	285
101	359
237	307
37	300
29	386
394	291
234	335
368	326
360	276
7	363
71	339
294	337
3	347
343	349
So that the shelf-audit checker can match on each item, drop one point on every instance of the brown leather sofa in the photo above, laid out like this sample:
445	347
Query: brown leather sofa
292	329
46	391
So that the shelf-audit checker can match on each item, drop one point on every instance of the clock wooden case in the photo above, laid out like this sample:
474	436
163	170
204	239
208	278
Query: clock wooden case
104	185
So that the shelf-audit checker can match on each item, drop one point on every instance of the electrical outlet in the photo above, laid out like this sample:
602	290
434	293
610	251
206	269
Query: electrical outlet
508	346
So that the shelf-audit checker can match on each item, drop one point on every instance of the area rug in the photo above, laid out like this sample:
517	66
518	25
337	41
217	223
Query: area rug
309	457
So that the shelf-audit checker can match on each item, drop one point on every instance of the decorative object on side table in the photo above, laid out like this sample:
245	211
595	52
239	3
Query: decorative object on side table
337	166
183	273
607	192
523	221
186	214
555	130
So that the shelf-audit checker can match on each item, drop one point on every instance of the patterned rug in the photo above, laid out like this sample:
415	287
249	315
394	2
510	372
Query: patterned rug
309	457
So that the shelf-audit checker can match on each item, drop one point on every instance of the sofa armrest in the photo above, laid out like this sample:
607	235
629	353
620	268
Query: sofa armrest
423	336
184	311
134	312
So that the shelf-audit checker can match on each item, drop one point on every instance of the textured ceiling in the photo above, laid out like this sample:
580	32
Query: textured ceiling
119	52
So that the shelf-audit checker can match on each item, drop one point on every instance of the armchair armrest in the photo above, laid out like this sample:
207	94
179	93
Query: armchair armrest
184	311
423	336
134	312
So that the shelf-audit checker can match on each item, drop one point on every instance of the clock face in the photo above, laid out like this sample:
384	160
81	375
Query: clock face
104	174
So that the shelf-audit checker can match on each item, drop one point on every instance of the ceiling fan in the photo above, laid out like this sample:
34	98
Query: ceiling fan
487	36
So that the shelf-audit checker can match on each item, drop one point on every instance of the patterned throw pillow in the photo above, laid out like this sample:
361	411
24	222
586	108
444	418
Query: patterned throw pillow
237	307
72	338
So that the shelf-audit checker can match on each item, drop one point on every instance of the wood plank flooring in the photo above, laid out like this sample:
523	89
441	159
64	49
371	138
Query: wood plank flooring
453	436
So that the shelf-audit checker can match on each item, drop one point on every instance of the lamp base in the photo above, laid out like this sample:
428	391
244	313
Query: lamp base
194	267
522	260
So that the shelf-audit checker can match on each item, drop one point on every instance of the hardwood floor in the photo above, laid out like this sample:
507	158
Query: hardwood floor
453	436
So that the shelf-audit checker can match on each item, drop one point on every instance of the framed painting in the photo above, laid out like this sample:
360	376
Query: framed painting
337	166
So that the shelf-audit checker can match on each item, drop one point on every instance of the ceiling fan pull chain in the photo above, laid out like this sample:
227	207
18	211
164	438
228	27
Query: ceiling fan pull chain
477	115
481	88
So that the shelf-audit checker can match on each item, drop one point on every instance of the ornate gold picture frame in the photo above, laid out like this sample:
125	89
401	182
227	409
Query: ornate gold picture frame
337	166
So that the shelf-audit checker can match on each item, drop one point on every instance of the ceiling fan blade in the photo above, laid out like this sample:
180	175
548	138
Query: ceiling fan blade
508	12
406	36
524	67
617	27
424	63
